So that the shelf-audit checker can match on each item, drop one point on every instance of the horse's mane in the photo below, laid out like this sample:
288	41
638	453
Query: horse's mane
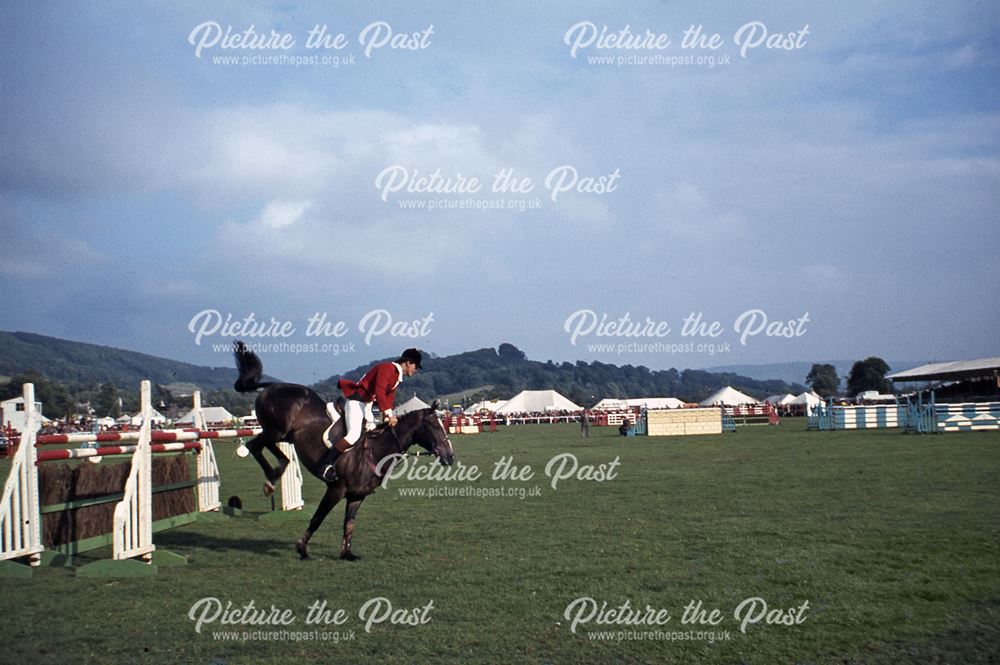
407	415
382	428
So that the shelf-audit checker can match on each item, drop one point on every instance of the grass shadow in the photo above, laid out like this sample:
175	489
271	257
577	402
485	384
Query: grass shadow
198	540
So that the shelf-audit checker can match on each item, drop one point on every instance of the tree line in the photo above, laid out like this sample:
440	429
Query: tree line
867	374
505	371
62	400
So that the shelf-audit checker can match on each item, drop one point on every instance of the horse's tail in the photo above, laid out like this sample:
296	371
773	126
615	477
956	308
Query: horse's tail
250	368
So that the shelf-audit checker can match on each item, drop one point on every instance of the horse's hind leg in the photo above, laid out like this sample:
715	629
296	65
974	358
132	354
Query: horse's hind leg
349	514
334	493
256	447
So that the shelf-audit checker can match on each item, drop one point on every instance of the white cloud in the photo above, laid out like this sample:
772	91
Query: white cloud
280	214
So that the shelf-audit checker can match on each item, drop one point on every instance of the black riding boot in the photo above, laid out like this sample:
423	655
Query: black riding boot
328	465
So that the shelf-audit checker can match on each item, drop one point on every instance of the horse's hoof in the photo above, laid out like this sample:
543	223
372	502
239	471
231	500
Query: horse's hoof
301	548
349	556
268	488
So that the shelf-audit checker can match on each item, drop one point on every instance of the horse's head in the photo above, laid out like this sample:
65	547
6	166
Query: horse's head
433	437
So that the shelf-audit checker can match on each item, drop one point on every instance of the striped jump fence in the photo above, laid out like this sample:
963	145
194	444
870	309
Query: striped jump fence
831	417
968	417
133	523
932	417
916	416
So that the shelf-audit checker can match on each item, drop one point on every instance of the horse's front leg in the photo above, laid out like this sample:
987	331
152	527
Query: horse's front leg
256	445
334	493
283	462
350	512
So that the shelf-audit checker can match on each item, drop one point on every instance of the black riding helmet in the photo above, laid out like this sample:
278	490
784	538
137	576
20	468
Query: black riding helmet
411	355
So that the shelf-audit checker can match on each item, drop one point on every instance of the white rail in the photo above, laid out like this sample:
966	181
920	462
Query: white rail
133	524
208	469
291	479
20	513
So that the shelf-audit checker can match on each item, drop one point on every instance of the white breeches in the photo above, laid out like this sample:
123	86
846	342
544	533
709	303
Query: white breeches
354	418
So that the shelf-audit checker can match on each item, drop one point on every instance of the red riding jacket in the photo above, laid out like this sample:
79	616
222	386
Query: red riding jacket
378	385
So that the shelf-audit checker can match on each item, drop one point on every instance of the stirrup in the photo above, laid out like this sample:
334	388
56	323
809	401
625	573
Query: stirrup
329	474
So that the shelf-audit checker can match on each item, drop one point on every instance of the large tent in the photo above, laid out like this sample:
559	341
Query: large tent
612	404
655	402
213	414
779	400
486	405
808	399
157	419
538	401
412	404
728	396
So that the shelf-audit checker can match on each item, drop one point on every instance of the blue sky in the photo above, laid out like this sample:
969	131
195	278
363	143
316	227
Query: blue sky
854	179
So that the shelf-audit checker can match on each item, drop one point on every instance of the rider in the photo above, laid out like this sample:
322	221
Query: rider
379	386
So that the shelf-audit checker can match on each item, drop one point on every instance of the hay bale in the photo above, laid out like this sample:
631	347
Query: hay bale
170	470
62	483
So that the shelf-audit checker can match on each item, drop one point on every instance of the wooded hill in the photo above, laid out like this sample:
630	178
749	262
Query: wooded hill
505	371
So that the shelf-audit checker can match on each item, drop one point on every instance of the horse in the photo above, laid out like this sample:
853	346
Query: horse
297	414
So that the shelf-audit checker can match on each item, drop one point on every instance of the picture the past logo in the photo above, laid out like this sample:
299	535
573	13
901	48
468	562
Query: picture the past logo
373	37
211	611
376	323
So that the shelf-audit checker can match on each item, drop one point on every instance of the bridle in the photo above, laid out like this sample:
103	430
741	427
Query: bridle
399	445
444	431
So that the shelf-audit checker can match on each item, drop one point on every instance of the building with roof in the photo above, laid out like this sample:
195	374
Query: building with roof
960	379
14	415
950	371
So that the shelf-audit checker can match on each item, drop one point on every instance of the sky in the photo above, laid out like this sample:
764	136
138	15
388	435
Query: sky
587	181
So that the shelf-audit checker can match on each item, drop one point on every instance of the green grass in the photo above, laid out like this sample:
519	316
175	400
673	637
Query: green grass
892	539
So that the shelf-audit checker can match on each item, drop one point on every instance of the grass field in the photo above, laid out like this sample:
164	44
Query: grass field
892	540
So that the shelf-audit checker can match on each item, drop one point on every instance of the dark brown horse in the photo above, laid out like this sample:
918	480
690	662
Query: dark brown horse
296	414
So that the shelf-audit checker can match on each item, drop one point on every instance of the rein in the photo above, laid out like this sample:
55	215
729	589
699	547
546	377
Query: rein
370	457
369	453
